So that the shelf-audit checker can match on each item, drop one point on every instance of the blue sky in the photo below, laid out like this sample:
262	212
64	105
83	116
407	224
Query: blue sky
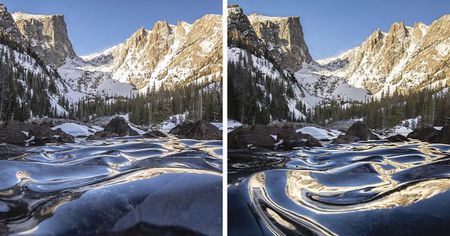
331	26
95	25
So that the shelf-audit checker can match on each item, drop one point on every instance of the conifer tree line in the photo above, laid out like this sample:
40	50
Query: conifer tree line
254	98
431	105
156	105
22	92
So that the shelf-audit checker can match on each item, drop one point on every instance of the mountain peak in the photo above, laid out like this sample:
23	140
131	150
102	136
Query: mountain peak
47	35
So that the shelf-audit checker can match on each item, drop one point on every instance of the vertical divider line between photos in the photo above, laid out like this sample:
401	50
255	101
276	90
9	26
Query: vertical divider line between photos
224	118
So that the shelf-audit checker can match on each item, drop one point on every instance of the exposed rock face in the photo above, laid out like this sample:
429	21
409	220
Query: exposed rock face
255	136
284	39
402	59
280	39
201	130
167	54
47	35
19	133
9	27
119	126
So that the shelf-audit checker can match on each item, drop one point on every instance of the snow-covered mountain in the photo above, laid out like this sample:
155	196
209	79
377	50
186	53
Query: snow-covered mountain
403	59
273	48
28	86
166	55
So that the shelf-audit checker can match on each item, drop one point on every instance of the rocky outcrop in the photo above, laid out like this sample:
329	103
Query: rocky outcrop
288	139
424	133
10	151
255	136
24	133
48	36
120	126
359	131
201	130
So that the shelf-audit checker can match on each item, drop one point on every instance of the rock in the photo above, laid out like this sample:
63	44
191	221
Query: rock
257	136
102	135
42	135
10	151
360	130
291	139
444	135
424	133
13	137
200	129
49	32
63	136
397	138
344	139
120	126
154	134
17	126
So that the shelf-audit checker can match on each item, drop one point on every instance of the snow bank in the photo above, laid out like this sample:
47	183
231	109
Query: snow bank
77	129
320	134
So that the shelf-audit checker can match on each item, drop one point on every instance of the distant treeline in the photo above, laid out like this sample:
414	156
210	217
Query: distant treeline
432	105
155	106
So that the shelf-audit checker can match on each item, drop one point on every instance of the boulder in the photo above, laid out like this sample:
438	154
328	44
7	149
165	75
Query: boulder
102	135
344	139
10	151
42	135
424	133
444	135
13	137
360	130
289	139
257	136
120	126
200	129
397	138
154	134
63	137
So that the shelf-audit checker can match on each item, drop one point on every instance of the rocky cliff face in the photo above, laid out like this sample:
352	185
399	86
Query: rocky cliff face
284	38
279	39
402	59
9	27
167	54
48	36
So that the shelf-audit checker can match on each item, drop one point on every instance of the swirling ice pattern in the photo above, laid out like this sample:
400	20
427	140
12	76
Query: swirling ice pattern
371	188
114	187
